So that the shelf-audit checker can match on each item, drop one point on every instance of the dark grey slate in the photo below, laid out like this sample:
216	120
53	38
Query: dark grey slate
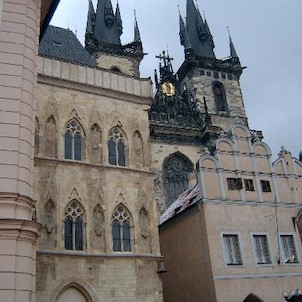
62	44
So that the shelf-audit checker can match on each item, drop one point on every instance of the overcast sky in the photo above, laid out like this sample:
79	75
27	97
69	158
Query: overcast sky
268	38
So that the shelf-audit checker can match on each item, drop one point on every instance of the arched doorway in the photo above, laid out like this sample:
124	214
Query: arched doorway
71	294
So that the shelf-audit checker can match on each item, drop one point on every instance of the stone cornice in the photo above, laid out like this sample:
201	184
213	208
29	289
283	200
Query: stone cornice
126	169
100	255
95	81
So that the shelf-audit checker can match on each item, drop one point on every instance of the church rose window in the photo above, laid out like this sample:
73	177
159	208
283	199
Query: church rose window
121	229
116	147
74	226
73	141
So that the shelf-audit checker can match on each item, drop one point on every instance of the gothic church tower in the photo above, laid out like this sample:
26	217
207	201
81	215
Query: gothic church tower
102	40
192	107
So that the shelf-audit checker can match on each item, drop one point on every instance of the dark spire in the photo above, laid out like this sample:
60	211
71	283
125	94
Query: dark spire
137	36
90	19
183	34
198	32
300	155
118	19
106	29
233	52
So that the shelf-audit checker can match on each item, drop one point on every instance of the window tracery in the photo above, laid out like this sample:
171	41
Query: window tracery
121	229
176	176
73	141
74	226
116	147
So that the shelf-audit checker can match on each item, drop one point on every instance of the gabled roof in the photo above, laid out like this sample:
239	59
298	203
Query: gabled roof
184	201
62	44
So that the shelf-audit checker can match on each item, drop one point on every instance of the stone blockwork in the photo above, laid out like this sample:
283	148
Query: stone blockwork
116	279
97	101
200	83
125	65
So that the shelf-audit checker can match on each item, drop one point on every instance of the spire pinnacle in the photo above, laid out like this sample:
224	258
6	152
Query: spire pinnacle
90	18
108	27
198	32
118	19
233	52
137	36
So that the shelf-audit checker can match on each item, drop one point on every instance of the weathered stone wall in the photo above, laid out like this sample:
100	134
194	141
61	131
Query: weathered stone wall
126	65
200	82
98	100
117	279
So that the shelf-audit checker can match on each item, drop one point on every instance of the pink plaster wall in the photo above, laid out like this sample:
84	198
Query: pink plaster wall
18	49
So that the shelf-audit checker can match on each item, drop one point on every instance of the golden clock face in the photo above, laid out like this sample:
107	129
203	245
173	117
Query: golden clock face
168	88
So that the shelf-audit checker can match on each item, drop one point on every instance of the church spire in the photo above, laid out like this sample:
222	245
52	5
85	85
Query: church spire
90	19
137	36
183	35
118	19
198	32
107	25
233	52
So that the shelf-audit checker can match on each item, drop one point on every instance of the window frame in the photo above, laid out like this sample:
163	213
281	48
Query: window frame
249	184
282	250
117	142
226	254
234	183
120	229
75	132
265	186
74	230
224	102
253	236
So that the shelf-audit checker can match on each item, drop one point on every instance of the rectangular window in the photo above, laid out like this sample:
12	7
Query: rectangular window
249	185
262	253
234	183
265	185
289	249
232	249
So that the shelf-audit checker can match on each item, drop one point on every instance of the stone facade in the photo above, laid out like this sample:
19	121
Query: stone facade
98	101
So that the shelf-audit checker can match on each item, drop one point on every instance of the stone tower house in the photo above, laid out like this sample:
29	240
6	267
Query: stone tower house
93	179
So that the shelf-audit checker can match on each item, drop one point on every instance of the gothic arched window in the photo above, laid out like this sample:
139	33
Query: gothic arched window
74	226
176	171
219	97
121	229
73	141
116	147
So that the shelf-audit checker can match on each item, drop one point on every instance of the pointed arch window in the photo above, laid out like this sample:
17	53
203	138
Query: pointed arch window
73	141
121	229
176	170
74	226
220	97
116	147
